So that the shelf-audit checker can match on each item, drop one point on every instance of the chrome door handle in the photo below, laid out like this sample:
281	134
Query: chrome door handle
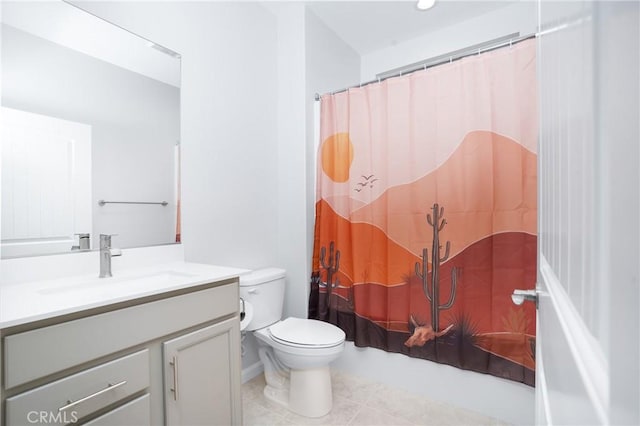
93	395
520	296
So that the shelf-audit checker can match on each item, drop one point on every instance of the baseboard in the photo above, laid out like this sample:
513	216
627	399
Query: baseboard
252	371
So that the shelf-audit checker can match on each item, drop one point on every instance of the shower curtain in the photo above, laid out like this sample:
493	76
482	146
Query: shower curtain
426	213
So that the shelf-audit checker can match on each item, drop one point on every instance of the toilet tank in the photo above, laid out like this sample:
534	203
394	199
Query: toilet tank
264	289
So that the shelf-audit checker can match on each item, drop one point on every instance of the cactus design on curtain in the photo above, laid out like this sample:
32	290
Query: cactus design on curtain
426	213
437	223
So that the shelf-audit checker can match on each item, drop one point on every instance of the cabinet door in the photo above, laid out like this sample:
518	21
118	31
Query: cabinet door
202	376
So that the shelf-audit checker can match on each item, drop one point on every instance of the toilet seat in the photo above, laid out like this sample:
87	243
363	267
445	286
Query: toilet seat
306	333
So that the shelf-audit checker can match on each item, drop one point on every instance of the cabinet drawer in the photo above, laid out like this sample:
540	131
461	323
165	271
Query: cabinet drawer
136	412
82	393
37	353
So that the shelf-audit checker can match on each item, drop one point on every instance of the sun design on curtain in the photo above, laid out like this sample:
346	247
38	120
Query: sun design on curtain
426	213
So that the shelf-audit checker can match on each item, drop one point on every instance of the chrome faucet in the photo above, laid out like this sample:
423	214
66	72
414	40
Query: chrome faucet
105	255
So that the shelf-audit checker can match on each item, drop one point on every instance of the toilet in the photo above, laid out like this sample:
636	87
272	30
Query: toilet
295	352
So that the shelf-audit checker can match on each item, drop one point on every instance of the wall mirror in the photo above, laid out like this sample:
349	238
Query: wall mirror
90	113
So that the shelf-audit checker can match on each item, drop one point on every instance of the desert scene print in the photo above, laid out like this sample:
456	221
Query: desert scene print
426	216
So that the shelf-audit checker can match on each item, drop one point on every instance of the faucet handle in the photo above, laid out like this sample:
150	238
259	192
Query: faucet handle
105	240
84	241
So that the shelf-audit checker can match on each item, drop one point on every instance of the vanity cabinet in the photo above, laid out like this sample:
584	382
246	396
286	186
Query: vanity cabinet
172	359
200	369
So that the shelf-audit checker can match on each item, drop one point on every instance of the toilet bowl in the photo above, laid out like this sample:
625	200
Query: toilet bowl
303	343
295	352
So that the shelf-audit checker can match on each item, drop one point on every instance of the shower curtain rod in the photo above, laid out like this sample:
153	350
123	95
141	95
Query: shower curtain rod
476	49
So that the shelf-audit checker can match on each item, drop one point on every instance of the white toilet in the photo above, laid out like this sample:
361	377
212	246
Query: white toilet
295	352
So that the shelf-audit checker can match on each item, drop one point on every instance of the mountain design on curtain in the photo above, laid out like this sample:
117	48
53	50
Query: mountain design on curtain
426	213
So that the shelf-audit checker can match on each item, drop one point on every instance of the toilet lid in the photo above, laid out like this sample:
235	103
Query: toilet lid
307	332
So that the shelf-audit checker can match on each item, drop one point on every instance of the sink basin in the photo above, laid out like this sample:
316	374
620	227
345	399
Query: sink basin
141	280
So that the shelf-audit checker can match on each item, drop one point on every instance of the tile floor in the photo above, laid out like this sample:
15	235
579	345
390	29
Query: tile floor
359	402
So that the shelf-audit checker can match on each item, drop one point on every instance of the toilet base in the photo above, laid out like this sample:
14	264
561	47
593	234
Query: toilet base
304	392
310	392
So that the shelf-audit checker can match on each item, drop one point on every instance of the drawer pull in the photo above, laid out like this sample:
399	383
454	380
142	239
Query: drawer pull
93	395
174	364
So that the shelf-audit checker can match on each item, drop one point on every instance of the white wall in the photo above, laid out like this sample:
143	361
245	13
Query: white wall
311	59
292	219
229	122
290	171
134	126
519	17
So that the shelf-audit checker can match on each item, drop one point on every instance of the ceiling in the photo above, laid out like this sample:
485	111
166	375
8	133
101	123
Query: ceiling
371	25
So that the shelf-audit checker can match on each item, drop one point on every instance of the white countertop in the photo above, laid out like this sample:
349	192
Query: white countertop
25	302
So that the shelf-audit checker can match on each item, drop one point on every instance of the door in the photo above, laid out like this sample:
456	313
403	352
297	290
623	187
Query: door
202	376
587	344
